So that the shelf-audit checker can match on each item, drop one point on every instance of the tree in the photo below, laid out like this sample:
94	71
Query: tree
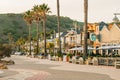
28	17
37	17
44	10
58	21
85	27
19	43
10	38
5	50
50	46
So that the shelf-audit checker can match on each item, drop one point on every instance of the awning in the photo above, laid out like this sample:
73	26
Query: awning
110	47
102	47
81	48
73	49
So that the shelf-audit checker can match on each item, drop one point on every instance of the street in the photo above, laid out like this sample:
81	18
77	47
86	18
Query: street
26	68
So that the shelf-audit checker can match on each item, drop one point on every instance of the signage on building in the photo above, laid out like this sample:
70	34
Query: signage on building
93	37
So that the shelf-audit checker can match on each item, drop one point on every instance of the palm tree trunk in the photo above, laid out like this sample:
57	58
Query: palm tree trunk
58	21
30	39
85	28
44	27
37	37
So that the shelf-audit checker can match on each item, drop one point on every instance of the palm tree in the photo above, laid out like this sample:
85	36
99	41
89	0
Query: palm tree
58	21
37	17
85	27
44	10
28	18
19	43
10	38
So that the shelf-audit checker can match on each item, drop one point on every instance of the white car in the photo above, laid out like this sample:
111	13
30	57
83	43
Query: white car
17	53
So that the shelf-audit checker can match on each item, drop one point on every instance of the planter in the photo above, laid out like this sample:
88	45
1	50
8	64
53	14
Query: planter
52	58
64	58
95	61
56	58
73	59
80	60
88	61
60	59
67	58
49	57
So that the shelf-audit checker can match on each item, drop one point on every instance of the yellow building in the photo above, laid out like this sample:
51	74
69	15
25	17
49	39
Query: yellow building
93	29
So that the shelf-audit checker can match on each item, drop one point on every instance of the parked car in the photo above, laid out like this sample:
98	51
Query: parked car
17	53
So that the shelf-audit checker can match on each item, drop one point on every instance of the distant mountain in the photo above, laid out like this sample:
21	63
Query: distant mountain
15	24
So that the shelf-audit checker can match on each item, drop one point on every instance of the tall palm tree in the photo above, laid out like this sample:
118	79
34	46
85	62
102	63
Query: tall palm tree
28	18
10	38
44	10
37	17
58	21
85	27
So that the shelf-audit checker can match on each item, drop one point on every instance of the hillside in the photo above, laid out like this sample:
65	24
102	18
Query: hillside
15	24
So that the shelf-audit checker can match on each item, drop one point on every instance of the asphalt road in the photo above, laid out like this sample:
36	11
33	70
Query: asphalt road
25	69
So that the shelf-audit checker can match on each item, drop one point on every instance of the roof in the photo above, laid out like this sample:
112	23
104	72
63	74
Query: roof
101	25
63	34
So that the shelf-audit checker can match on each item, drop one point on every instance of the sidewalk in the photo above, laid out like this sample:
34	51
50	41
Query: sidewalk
1	71
59	65
107	70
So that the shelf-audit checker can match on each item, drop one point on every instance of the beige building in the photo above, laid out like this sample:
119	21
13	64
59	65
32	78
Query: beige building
73	38
110	36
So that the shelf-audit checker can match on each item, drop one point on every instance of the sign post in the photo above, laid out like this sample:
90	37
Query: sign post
93	37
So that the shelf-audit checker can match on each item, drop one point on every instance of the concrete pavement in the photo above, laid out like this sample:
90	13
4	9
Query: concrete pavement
105	70
42	69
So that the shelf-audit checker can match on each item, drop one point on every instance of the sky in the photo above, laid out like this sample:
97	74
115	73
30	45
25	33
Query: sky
99	10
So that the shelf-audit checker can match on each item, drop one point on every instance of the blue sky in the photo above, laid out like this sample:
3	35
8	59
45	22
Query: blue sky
99	10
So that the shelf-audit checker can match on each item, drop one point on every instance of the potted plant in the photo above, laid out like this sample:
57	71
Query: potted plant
69	57
60	56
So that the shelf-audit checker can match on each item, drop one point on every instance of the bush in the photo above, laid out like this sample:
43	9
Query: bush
60	54
51	54
9	62
70	55
5	50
